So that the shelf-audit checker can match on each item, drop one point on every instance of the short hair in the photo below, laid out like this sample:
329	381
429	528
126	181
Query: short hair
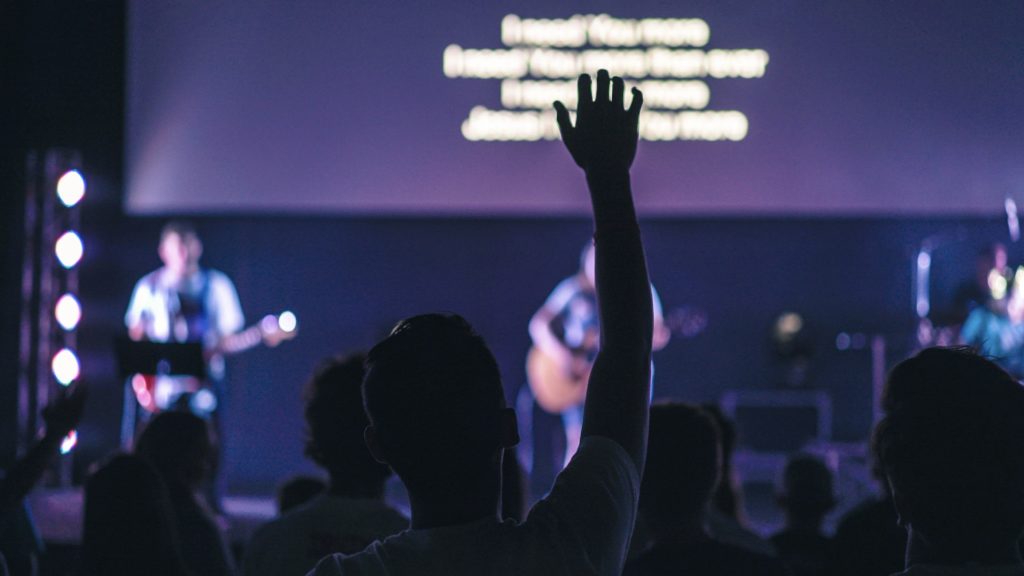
335	421
179	446
684	461
181	228
807	487
433	394
951	445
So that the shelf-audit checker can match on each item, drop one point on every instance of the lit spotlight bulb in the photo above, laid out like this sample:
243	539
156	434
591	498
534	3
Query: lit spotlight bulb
65	367
69	249
71	188
69	442
68	312
287	321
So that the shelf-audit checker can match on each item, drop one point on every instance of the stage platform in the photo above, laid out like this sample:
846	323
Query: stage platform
58	515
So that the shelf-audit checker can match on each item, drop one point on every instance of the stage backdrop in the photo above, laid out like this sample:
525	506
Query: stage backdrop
386	107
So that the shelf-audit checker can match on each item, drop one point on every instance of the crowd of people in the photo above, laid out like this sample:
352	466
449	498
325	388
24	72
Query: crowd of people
649	491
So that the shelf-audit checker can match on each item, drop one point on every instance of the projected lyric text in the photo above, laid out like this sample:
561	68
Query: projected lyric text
667	58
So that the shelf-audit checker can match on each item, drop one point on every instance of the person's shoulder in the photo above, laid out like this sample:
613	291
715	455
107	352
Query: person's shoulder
568	286
365	563
149	281
868	514
372	513
217	277
273	529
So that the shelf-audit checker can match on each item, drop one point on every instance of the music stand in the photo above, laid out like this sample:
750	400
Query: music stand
163	358
152	359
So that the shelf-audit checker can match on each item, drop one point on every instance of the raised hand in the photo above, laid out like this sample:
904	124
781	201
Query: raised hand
605	135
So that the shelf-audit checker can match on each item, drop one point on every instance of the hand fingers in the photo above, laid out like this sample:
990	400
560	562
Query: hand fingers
583	96
602	87
564	122
618	86
638	102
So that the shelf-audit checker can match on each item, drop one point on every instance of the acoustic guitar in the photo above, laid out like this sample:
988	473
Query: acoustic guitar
558	386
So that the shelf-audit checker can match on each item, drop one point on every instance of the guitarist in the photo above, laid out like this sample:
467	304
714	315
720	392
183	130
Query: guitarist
565	334
183	302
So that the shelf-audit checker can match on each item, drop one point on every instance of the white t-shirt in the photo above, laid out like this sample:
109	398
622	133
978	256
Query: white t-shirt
293	543
582	527
155	304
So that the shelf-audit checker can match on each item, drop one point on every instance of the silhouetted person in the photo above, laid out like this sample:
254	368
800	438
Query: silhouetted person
951	446
684	465
727	517
869	540
806	496
298	490
564	331
351	513
128	526
976	292
437	409
20	545
513	488
179	447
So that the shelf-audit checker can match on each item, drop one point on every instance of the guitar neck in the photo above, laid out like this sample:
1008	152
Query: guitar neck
240	341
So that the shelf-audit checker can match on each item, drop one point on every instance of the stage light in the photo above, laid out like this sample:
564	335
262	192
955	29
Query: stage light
787	326
68	312
843	341
65	367
287	321
69	442
69	249
71	188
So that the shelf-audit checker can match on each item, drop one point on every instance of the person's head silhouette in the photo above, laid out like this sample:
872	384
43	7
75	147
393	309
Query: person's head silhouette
806	492
128	522
437	411
178	444
684	463
335	421
951	446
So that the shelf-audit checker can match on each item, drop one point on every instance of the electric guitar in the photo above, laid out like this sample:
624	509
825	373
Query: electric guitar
154	392
558	385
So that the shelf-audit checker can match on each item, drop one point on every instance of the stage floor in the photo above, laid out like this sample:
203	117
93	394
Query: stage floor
58	515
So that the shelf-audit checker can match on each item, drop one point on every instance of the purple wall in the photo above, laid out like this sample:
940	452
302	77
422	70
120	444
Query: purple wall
866	108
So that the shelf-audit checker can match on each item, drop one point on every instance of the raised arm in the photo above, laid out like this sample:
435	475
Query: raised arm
603	143
61	417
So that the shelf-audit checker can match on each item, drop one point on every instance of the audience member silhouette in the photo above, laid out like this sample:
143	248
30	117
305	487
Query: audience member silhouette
951	445
437	409
128	527
351	513
727	517
298	490
869	540
20	544
684	465
806	496
513	488
178	445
